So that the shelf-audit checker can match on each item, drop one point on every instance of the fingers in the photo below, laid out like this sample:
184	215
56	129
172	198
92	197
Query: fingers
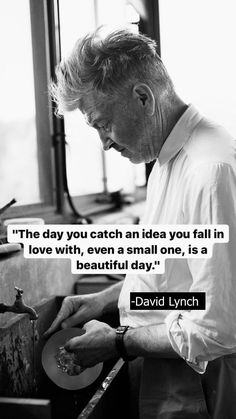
95	345
89	325
77	318
74	311
72	344
66	310
91	329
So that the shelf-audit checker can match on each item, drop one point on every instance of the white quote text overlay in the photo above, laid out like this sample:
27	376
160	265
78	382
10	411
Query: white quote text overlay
102	249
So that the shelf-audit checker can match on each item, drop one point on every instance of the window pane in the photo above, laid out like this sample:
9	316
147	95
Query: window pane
18	144
84	156
198	48
85	159
83	151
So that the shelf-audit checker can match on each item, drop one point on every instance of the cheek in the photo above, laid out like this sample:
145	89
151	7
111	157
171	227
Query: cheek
128	131
121	134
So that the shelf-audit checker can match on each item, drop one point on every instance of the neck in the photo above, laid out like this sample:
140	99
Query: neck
176	114
169	112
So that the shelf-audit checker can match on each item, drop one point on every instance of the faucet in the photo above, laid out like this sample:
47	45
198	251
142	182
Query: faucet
19	306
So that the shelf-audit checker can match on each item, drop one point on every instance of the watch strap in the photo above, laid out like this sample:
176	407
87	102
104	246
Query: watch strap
120	332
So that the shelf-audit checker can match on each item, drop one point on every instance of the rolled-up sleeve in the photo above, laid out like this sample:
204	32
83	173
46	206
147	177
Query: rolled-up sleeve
203	335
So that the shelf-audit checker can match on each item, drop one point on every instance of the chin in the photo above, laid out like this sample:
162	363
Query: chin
141	159
136	160
150	159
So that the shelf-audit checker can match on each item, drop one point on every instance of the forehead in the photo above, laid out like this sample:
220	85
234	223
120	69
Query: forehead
96	106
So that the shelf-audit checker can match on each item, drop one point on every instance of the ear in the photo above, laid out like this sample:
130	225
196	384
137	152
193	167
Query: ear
143	94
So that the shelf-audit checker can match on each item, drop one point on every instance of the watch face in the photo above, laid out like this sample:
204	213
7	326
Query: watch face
122	329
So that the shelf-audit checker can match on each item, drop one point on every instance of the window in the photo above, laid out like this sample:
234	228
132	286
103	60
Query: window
25	147
89	168
18	145
32	140
197	46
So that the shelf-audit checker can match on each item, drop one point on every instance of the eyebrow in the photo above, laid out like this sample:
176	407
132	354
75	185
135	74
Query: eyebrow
88	119
91	121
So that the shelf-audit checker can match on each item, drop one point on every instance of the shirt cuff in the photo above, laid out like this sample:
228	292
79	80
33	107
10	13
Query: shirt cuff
181	342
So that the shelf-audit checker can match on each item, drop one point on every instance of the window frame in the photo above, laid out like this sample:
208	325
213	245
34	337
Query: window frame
40	54
51	144
150	26
49	129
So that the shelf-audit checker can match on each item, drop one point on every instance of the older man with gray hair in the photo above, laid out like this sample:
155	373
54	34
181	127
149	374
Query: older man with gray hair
121	86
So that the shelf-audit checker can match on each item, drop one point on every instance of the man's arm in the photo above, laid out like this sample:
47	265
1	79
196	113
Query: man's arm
149	341
203	335
99	343
79	309
110	297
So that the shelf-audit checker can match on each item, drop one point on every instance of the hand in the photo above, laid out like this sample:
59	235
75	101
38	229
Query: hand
76	310
97	344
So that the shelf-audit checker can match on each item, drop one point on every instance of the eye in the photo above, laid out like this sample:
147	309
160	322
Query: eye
104	126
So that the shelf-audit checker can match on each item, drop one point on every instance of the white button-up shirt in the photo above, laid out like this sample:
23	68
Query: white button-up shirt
193	182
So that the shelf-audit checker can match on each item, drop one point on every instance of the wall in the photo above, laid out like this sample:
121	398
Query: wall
39	278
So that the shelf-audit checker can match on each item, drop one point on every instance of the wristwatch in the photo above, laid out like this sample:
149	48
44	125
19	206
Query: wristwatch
120	332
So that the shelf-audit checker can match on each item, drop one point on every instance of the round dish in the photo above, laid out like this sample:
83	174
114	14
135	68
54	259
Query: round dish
60	378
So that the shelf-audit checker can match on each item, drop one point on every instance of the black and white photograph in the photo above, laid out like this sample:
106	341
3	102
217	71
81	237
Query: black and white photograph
117	209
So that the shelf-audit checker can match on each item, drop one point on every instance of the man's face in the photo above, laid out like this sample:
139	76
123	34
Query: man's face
122	125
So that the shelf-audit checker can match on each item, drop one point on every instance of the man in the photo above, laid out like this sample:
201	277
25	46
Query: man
123	89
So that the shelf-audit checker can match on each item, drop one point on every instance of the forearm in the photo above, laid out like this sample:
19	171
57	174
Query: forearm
110	297
149	341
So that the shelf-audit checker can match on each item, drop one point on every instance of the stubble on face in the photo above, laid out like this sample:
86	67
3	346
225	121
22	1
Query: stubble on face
132	133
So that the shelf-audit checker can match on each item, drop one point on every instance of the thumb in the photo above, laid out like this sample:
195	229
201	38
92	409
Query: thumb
71	344
55	324
65	311
90	324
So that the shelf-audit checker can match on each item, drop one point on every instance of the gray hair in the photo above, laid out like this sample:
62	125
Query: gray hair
108	66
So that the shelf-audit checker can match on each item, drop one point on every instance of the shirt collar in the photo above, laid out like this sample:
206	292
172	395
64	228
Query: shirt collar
179	134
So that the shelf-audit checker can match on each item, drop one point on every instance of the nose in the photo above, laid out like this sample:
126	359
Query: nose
106	143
